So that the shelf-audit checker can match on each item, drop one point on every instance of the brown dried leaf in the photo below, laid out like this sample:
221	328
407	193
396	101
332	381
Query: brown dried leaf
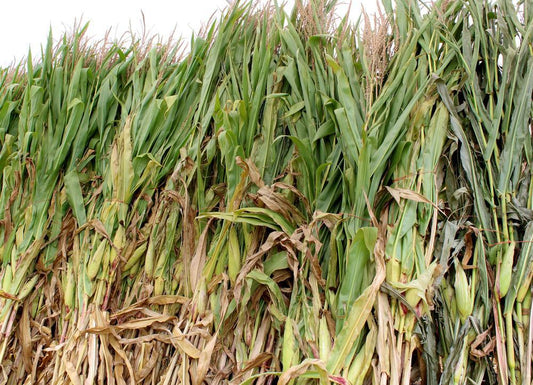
294	190
257	361
204	361
273	239
485	350
199	258
25	338
166	339
329	219
148	366
249	167
7	223
500	346
72	373
184	344
144	322
114	343
166	300
384	340
92	359
278	203
5	295
302	368
402	193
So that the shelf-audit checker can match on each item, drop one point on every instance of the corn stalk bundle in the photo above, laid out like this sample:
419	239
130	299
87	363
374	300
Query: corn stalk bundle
295	200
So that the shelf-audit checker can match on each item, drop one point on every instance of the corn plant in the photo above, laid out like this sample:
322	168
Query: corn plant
297	198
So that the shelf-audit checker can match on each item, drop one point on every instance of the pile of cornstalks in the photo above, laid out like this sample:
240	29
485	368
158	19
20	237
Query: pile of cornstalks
295	200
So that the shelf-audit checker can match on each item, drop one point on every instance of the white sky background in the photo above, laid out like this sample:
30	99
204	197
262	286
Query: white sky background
26	23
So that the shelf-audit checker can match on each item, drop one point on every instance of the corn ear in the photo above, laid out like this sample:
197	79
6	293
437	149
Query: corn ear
149	261
289	345
136	256
120	238
28	287
363	359
462	292
69	288
7	280
506	270
95	263
324	339
234	254
159	286
393	270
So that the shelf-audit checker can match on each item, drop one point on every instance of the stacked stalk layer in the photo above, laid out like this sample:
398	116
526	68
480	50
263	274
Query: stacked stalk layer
295	200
